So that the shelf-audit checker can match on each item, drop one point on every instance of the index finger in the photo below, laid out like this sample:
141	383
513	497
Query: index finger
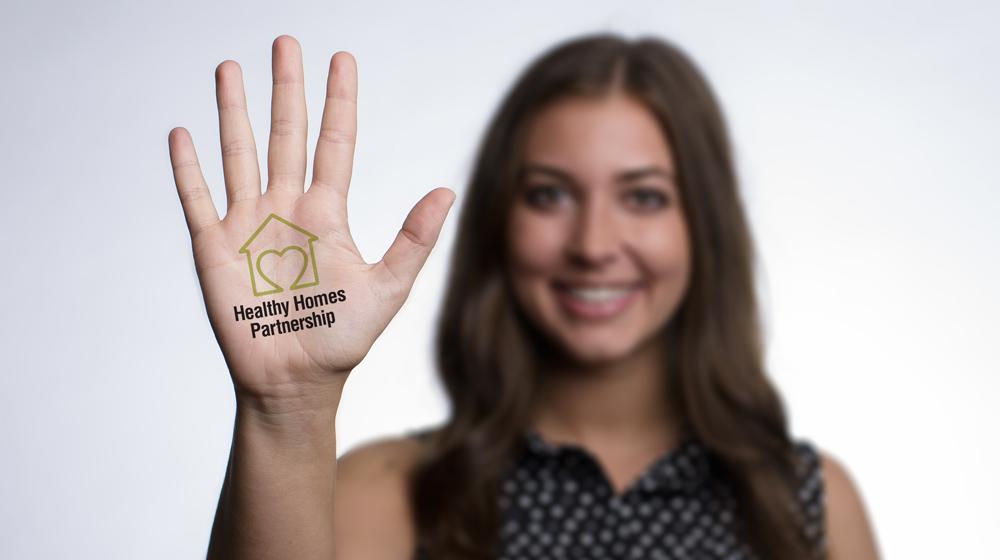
337	133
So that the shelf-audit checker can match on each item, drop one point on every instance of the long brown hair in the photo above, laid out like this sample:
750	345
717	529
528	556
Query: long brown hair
488	352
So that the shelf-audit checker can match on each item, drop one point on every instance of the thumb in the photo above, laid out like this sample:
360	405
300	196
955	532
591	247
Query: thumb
408	252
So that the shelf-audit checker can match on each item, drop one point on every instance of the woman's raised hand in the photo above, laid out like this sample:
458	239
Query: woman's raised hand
292	302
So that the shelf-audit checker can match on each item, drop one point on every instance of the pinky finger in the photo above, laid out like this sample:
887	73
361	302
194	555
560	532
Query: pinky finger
199	211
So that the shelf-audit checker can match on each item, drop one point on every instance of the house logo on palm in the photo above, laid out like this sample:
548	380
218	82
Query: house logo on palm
278	243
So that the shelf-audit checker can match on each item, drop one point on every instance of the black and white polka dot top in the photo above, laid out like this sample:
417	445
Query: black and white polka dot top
557	503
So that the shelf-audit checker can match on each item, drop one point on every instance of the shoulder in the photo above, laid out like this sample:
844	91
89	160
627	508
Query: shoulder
380	459
373	518
849	530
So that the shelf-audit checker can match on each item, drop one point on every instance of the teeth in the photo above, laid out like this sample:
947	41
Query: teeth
599	294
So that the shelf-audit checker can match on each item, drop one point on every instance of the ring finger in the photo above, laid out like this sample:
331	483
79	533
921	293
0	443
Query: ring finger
239	151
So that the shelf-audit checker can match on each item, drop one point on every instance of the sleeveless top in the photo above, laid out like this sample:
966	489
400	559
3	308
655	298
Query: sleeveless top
557	503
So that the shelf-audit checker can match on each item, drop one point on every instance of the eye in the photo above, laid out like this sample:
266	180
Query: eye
543	196
648	198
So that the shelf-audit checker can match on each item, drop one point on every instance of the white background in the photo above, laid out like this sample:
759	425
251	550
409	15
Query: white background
866	141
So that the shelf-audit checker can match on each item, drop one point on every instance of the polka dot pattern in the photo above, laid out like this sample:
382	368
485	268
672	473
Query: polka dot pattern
557	503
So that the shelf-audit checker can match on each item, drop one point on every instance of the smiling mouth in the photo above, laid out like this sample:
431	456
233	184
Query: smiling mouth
596	301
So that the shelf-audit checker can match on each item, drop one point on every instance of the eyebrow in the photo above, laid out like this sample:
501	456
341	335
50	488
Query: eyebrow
628	175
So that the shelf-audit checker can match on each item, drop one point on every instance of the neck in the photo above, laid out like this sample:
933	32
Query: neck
624	401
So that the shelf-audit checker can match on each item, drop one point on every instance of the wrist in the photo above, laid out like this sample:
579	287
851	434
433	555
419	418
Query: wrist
293	414
306	393
310	431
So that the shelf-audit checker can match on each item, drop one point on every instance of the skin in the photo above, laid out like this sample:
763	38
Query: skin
278	498
579	215
600	394
600	204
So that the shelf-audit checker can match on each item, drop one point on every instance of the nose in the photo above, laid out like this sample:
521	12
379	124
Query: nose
594	240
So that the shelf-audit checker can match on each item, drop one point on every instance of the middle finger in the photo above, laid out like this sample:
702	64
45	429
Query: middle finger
286	154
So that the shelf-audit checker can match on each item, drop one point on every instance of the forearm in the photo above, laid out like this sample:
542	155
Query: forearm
277	500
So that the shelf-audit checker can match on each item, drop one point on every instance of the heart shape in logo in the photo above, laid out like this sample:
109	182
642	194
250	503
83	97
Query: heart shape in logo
281	255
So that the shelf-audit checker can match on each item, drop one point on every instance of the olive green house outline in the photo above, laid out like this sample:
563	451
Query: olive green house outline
310	258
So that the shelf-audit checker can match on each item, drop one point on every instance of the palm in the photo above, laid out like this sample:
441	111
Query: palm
224	276
262	361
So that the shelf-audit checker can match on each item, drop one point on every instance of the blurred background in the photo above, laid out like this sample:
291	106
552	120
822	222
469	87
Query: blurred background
865	138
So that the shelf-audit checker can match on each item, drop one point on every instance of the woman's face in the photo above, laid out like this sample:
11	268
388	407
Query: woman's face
598	242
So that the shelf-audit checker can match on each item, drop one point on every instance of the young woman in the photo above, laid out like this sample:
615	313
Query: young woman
599	340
